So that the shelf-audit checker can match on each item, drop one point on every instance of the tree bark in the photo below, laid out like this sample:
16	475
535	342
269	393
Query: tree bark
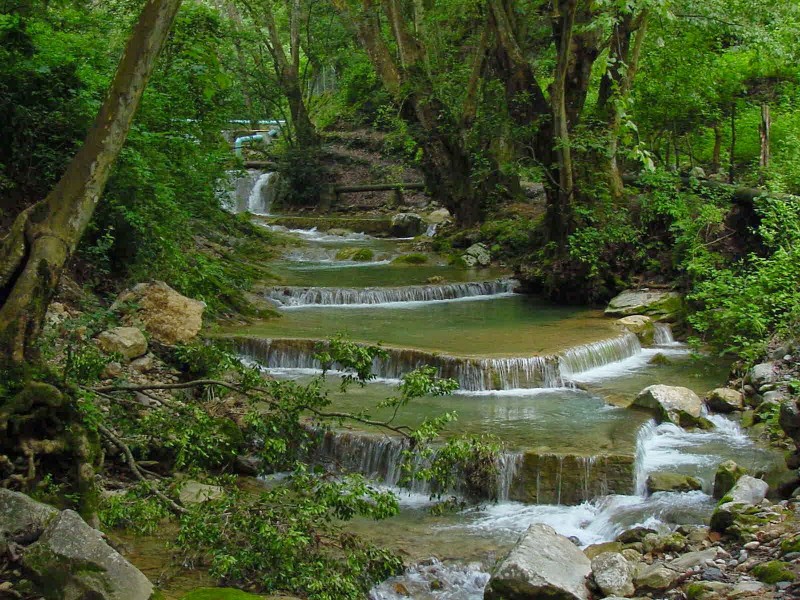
41	240
763	130
732	157
716	161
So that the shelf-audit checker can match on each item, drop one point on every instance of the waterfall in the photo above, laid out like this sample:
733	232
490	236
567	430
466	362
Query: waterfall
259	200
319	296
663	335
598	354
472	374
380	458
641	469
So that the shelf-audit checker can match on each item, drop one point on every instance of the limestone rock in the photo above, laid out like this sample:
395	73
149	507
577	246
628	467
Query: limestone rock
21	517
613	574
672	482
640	325
75	557
126	341
693	559
747	493
728	473
678	405
406	225
168	316
762	374
597	549
725	400
477	255
439	216
194	492
543	564
636	534
655	577
657	303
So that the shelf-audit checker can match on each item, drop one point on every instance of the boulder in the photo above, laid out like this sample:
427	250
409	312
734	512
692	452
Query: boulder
762	374
672	482
690	560
74	562
728	473
657	303
597	549
737	503
613	574
636	534
697	173
168	316
725	400
789	420
405	225
22	518
439	216
477	255
640	325
129	342
194	492
678	405
543	564
748	490
655	577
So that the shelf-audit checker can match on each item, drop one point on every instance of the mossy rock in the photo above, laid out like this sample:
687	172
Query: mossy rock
415	258
672	482
773	572
659	359
356	254
791	545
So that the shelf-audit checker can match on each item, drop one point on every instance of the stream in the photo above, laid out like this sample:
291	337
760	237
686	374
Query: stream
547	380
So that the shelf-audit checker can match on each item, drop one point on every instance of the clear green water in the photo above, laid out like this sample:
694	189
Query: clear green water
513	326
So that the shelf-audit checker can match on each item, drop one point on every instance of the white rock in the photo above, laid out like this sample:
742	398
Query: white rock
613	574
129	342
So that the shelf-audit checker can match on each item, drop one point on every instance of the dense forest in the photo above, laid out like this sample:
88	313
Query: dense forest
190	191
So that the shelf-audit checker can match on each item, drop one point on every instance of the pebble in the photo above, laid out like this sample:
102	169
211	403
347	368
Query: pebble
751	545
732	563
782	585
792	556
713	574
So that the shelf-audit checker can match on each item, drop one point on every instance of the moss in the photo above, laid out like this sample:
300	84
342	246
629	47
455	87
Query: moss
415	258
357	254
791	545
220	594
748	418
773	572
697	590
659	359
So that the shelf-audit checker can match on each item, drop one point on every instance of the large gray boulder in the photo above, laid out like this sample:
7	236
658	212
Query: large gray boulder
738	502
71	561
725	400
656	303
407	225
543	564
762	374
129	342
22	519
613	574
678	405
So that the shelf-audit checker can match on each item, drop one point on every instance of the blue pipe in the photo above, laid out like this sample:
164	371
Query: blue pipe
237	144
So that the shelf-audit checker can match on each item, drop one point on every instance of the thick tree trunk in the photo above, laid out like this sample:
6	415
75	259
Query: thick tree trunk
42	239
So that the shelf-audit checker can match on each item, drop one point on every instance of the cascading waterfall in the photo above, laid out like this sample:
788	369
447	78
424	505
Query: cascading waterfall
258	202
288	297
597	354
663	335
472	374
380	457
646	433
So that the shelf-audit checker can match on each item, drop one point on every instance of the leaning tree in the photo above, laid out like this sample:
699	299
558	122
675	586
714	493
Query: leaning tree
44	236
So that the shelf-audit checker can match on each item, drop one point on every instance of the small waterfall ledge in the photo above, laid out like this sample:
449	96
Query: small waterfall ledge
531	477
294	297
472	374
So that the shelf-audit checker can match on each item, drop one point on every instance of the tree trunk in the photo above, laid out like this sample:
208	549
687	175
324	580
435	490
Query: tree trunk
732	159
43	237
716	161
763	131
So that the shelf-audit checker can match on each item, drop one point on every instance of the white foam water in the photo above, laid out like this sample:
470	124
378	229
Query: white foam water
452	582
383	297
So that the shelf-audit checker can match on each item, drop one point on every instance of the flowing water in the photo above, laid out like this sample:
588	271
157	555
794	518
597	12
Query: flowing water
549	382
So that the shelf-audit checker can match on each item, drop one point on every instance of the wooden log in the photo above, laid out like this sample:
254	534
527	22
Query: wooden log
260	164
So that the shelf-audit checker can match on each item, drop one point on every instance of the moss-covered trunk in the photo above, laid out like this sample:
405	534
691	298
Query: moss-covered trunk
41	240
